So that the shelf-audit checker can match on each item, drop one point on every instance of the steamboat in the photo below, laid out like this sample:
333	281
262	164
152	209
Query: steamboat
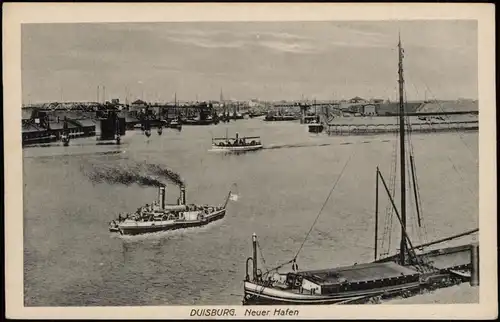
409	270
160	216
237	144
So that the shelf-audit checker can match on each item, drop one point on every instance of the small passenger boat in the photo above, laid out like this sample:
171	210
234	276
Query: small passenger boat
237	144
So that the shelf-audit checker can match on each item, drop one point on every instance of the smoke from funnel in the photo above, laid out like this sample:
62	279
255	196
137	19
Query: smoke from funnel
166	173
123	172
121	176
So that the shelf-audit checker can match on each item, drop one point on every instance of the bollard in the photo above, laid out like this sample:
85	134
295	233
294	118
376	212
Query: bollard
474	257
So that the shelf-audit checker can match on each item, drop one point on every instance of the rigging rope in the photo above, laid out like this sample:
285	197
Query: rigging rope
417	188
413	177
388	225
424	260
293	260
324	204
261	255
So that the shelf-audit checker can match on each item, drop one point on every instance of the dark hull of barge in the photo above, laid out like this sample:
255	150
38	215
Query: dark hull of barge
180	224
315	128
259	298
199	122
383	278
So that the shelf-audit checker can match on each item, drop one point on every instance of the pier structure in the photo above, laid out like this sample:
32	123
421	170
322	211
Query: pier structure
422	127
47	123
172	111
45	127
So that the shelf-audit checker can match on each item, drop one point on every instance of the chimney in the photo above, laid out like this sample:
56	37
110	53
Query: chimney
161	197
183	195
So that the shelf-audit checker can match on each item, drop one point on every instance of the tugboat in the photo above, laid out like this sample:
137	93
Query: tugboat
236	144
409	270
162	217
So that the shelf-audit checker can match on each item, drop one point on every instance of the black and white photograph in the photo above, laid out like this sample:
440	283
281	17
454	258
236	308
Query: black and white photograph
252	168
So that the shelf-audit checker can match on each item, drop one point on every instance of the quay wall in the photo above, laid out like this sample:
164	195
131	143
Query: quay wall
363	129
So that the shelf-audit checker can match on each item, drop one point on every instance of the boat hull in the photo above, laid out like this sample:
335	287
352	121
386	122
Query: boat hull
236	148
152	227
260	295
316	128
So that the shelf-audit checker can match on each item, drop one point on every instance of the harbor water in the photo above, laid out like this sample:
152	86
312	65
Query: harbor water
70	258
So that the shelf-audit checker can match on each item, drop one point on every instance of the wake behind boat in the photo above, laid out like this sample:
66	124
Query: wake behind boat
163	217
237	144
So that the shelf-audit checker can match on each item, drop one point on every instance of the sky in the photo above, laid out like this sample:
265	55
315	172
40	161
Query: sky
248	60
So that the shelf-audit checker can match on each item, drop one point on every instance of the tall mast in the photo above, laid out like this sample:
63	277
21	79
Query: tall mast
402	149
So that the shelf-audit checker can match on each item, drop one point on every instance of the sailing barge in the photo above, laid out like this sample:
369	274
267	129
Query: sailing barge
410	269
163	217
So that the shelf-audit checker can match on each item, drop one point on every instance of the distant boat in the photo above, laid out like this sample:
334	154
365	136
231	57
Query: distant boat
407	271
65	133
162	217
175	124
315	127
237	144
287	117
237	116
256	114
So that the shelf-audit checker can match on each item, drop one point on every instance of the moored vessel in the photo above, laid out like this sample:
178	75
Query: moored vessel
160	216
65	134
315	127
175	124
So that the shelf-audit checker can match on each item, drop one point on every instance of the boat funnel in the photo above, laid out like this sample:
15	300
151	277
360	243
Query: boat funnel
183	195
161	196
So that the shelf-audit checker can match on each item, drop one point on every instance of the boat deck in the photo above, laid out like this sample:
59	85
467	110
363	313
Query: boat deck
359	273
449	258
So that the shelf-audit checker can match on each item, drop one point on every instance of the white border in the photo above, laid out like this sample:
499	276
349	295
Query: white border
16	13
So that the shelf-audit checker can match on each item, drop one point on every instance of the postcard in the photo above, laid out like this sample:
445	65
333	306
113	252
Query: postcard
251	161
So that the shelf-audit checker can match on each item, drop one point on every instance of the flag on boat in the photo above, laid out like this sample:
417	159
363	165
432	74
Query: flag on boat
233	197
